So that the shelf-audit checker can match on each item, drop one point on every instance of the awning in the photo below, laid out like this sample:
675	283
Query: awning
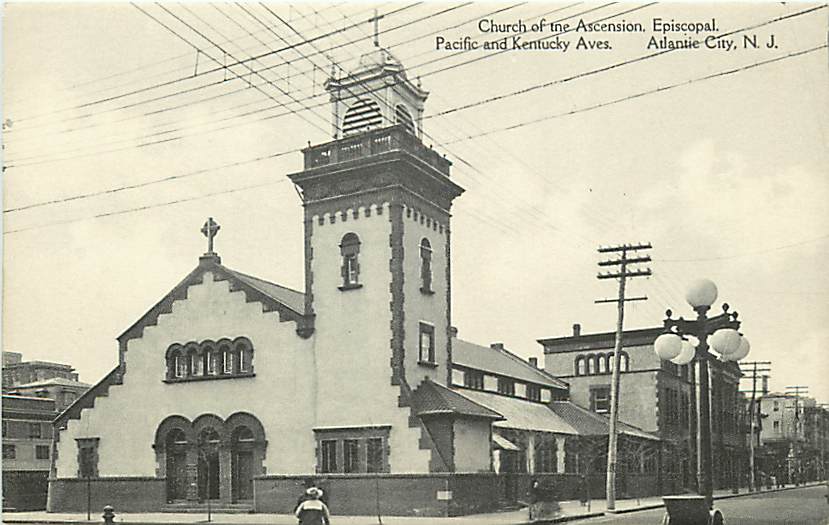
504	443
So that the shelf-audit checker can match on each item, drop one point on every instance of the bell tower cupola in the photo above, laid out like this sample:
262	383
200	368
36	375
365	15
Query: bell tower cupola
376	94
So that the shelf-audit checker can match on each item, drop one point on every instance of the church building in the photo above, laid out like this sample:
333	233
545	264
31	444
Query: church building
237	391
230	378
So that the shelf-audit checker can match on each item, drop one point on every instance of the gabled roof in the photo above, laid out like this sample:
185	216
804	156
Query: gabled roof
289	297
289	303
431	398
521	414
590	423
560	417
500	361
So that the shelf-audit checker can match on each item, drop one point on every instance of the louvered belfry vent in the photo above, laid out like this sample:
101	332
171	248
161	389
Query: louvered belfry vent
363	115
402	116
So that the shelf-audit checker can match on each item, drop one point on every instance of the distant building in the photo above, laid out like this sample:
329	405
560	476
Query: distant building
27	450
34	393
18	372
656	396
794	437
63	391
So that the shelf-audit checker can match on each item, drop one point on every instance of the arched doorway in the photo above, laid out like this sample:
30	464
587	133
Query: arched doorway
176	451
241	463
208	464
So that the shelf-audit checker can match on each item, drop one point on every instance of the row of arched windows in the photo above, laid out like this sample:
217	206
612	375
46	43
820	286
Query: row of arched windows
209	359
592	364
350	269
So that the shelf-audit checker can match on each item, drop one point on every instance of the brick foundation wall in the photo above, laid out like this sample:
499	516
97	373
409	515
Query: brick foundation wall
25	490
395	494
124	494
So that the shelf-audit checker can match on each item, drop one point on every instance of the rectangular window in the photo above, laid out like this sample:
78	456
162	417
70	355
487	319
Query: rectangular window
600	399
506	386
776	406
42	452
5	428
351	456
352	275
328	451
87	457
9	452
427	343
473	379
777	426
533	392
374	455
34	430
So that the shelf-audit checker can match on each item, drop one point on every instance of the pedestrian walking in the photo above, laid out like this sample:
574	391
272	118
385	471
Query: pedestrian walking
313	511
535	499
582	490
309	483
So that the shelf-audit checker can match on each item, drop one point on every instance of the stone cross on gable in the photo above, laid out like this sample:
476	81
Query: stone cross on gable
210	229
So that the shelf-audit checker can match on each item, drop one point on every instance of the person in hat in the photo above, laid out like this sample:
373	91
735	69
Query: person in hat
307	484
313	511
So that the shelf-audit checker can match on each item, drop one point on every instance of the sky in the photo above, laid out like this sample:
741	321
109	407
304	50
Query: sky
119	142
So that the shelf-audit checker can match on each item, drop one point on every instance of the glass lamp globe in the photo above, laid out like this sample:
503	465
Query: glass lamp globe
742	351
686	355
702	292
726	341
667	346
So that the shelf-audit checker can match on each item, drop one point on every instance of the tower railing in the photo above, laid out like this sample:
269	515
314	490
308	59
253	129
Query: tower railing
374	142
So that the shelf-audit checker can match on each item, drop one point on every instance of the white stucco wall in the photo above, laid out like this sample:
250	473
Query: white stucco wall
472	445
279	395
353	334
420	307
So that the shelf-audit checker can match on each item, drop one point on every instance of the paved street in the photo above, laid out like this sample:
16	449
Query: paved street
806	506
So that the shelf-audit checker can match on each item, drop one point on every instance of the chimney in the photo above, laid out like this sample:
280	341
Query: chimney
496	346
453	331
534	362
576	330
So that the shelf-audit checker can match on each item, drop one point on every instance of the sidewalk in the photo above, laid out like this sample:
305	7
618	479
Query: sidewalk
570	510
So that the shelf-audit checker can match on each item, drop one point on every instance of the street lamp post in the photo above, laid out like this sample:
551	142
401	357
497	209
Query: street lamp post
724	339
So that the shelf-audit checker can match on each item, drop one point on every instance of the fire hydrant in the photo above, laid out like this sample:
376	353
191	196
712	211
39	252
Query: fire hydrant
109	515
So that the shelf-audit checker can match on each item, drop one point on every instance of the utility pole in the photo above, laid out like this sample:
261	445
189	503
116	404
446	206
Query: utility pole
623	262
794	453
758	369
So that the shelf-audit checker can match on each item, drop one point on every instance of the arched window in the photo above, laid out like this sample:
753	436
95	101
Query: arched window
602	365
194	360
425	266
624	362
580	366
245	353
591	365
213	356
402	116
362	116
610	359
179	364
350	250
227	359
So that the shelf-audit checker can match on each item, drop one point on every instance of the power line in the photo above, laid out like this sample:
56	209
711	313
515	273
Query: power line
639	95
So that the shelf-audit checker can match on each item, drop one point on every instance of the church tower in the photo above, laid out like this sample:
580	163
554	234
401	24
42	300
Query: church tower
377	251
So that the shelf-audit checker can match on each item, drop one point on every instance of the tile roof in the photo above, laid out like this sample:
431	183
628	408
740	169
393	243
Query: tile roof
293	299
560	417
500	361
590	423
431	398
521	414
